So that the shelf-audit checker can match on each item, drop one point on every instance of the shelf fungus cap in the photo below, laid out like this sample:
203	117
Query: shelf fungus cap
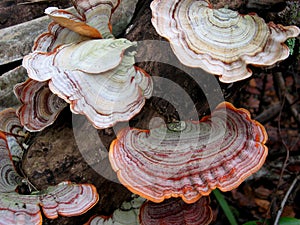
70	21
94	19
66	199
13	131
40	107
177	212
19	209
96	77
220	41
10	123
127	214
9	179
190	159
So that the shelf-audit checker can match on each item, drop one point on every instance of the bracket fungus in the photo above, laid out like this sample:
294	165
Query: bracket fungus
220	41
96	15
68	199
96	77
93	20
10	123
68	20
11	127
9	178
40	107
172	211
191	159
127	214
64	199
176	212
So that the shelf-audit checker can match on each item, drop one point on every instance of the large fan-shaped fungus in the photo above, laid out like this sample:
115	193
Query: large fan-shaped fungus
176	212
97	78
220	41
40	107
191	159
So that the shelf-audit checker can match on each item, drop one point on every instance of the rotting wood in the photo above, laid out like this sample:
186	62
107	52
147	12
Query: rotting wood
16	41
7	82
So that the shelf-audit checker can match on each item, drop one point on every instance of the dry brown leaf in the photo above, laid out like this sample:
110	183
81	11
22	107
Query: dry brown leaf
262	204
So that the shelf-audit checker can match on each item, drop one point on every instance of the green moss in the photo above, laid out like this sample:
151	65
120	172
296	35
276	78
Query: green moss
291	44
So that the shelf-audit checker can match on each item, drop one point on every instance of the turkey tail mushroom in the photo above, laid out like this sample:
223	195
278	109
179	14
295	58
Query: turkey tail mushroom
190	159
96	77
40	107
176	212
220	41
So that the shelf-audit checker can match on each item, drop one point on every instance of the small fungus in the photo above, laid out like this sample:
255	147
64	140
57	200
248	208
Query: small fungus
10	123
40	107
172	211
93	20
127	214
176	212
9	179
68	199
68	20
220	41
11	127
220	151
96	15
64	199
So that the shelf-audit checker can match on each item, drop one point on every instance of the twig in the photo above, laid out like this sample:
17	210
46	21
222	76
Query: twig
294	111
284	93
285	146
285	199
269	113
281	92
34	1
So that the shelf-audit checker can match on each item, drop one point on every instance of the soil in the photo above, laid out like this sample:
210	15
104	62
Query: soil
271	95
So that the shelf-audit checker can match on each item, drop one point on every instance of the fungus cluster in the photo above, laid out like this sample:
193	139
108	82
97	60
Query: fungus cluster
172	211
66	198
79	62
96	76
220	41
